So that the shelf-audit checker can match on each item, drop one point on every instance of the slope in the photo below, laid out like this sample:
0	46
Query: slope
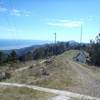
61	72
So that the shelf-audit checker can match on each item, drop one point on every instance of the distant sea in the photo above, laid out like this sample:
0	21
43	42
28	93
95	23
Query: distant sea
16	44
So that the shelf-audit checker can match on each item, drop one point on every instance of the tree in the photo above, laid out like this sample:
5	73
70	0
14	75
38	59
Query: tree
1	57
28	56
94	51
13	56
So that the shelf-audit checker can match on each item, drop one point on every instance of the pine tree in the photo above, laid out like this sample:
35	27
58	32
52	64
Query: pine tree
28	56
1	57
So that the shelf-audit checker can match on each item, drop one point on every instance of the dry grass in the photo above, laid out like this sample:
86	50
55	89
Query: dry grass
16	93
64	74
60	73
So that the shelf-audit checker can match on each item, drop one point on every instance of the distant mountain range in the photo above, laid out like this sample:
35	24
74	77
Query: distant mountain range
23	46
17	44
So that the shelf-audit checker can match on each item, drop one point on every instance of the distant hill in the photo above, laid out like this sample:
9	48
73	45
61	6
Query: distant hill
73	43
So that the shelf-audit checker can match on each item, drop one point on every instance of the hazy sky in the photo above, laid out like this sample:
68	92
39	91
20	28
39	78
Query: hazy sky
39	19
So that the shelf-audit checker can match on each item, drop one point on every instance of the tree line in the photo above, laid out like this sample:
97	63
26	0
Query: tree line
45	51
94	50
37	53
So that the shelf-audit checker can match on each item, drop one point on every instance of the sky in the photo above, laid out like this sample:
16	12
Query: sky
40	19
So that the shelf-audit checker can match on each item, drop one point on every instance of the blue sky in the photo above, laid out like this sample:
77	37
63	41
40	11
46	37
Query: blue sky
39	19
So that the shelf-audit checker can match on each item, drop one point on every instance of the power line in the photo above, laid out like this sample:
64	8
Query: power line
9	22
13	23
5	16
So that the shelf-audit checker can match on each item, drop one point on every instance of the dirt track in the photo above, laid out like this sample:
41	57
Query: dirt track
89	83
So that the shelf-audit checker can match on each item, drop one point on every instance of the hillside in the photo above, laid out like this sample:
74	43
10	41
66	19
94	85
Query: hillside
60	72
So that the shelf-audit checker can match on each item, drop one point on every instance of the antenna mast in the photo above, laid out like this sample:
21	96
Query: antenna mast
81	34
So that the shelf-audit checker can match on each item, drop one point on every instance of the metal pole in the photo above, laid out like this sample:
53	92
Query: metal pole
55	37
81	35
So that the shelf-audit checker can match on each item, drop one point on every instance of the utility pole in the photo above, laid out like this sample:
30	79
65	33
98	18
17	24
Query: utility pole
55	37
81	33
55	41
